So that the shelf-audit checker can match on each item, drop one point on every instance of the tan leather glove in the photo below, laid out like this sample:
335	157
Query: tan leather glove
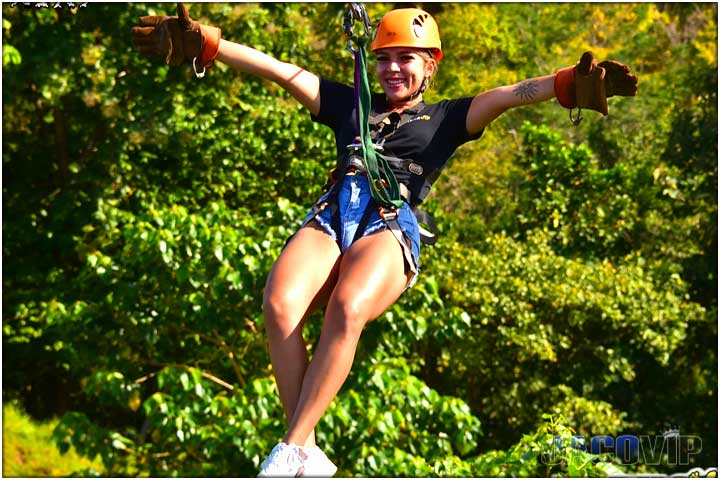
589	84
177	39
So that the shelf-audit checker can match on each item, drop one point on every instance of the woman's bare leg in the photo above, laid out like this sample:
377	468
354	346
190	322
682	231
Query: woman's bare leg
299	282
371	277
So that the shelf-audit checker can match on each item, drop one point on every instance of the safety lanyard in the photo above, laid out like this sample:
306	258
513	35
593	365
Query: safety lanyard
383	184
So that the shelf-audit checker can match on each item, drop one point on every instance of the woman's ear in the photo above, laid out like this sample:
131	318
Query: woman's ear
430	68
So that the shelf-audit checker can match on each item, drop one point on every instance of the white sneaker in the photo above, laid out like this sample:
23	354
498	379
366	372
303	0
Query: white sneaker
284	461
317	464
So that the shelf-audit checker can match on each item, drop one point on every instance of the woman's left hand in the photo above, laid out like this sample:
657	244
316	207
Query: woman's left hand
618	79
592	83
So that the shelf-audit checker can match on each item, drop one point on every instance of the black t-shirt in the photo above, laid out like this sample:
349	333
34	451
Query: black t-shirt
428	137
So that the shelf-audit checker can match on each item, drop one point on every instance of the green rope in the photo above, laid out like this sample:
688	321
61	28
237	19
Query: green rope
375	172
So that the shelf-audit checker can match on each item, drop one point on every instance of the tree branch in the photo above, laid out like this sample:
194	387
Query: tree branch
203	373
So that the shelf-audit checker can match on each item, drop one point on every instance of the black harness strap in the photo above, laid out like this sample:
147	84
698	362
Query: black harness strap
426	224
385	125
372	206
428	228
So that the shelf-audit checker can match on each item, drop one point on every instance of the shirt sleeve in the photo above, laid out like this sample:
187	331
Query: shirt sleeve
456	118
336	103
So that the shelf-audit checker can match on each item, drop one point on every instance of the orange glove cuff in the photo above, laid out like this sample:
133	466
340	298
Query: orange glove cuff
211	35
564	90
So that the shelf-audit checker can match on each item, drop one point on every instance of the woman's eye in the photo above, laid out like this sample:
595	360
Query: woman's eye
401	59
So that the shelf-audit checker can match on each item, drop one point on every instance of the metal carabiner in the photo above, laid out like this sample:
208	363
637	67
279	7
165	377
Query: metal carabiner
198	73
576	121
355	12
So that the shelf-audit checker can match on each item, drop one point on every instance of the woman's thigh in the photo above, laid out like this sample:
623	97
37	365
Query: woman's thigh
304	273
371	277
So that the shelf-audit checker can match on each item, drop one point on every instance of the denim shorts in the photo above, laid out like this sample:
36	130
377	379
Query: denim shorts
353	199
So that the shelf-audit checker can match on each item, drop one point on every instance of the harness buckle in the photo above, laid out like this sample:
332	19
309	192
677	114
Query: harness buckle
388	214
357	162
380	184
317	208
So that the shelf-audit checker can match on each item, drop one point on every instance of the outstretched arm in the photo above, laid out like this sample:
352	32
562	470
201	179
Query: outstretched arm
180	39
586	85
300	83
489	105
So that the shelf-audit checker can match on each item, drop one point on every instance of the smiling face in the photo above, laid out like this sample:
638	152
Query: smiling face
401	72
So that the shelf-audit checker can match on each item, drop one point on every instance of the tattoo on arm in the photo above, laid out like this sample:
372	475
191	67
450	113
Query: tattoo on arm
526	90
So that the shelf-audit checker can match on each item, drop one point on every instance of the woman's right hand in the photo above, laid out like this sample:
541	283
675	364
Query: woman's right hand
177	39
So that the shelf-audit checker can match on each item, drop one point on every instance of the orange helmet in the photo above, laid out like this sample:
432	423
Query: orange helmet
408	27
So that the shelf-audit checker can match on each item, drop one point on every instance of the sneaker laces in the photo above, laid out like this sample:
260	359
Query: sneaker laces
319	463
286	460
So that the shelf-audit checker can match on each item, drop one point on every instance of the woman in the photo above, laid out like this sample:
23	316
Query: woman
345	256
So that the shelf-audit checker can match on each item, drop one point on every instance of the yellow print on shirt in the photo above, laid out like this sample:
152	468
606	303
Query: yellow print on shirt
421	117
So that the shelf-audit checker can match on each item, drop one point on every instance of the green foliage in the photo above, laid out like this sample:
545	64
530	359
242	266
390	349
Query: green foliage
192	426
562	329
576	275
28	450
550	451
388	418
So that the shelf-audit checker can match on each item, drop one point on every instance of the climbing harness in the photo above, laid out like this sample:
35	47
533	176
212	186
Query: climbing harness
383	184
365	157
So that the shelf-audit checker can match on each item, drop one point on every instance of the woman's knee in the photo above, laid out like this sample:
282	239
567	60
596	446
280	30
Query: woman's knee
282	310
346	316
